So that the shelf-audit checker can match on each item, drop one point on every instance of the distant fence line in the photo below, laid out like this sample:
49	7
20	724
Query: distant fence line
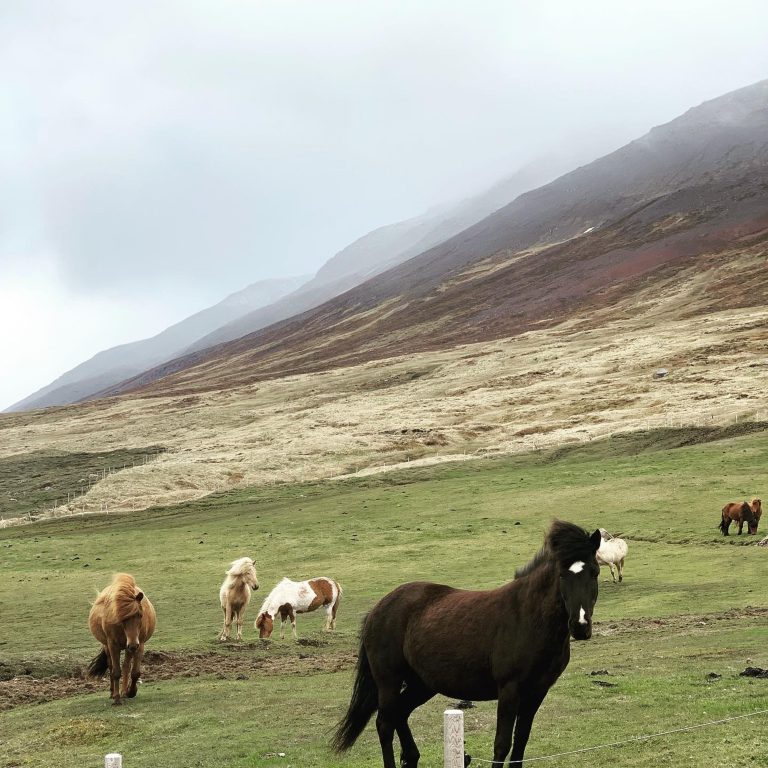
535	440
75	497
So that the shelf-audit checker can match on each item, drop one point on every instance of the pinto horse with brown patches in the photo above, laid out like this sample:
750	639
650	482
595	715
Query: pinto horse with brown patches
422	639
121	619
742	512
291	597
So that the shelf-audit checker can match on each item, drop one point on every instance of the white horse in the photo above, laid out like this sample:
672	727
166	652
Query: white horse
612	552
235	593
291	597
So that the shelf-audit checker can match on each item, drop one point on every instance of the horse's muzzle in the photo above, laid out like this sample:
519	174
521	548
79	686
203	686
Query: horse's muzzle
581	631
132	648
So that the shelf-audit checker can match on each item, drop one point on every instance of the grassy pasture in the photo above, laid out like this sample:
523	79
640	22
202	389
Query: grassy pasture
658	635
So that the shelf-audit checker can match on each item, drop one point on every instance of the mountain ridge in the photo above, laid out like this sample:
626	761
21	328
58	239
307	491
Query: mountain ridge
660	202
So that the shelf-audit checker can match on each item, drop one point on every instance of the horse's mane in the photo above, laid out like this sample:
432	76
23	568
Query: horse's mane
756	506
120	603
564	543
240	566
747	512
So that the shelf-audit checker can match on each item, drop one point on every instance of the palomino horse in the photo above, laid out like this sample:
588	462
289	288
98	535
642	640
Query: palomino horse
612	552
741	512
235	594
122	618
291	597
422	639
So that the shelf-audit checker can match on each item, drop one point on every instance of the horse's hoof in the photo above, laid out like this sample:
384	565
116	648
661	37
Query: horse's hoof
117	703
467	760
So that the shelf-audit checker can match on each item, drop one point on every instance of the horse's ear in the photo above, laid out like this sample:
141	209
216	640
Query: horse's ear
595	540
139	597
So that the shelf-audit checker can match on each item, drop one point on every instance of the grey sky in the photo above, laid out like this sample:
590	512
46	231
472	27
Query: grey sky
157	155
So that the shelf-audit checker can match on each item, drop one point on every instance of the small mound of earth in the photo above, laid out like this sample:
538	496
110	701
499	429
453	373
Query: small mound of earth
312	642
754	672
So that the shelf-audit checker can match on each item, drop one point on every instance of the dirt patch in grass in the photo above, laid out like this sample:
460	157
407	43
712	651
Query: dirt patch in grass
677	623
161	665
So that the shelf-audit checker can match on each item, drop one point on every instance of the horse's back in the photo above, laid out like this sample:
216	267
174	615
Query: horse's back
612	551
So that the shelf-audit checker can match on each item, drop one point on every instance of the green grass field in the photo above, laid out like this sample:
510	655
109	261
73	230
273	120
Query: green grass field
679	615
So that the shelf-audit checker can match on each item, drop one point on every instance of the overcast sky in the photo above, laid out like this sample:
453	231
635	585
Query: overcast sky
157	155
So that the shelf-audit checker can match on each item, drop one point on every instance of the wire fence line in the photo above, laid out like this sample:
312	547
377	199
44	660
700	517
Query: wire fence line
75	504
624	742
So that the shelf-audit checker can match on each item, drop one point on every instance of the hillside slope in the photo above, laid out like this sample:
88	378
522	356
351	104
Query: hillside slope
388	246
681	197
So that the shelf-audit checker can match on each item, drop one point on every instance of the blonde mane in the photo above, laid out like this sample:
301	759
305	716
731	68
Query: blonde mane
241	567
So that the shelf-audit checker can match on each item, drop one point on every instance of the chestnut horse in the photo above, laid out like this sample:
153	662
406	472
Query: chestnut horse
422	639
122	618
291	597
741	512
235	594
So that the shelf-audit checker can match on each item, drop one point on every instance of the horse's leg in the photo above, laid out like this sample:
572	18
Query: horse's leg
138	657
506	712
741	525
328	617
334	608
128	665
620	566
613	575
293	625
227	622
529	706
114	673
414	695
239	616
386	719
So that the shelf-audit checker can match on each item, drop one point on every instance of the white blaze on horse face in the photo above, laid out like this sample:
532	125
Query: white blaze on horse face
577	567
582	616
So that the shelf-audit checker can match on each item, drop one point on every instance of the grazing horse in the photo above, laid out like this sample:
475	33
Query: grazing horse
235	594
612	552
291	597
741	512
122	618
422	639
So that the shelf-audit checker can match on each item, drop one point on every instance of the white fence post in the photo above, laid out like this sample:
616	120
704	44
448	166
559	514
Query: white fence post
453	738
113	760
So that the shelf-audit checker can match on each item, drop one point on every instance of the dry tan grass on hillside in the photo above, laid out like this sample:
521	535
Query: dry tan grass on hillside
585	379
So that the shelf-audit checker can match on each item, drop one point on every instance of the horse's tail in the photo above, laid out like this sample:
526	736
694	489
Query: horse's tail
722	523
99	665
364	702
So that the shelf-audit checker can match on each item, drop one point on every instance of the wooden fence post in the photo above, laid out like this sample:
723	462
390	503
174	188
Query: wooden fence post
113	760
453	738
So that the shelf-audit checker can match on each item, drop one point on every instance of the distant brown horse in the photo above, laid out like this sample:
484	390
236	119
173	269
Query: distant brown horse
741	512
122	618
423	639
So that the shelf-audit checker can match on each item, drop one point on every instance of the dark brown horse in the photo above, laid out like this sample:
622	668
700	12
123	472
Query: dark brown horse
742	512
122	618
423	639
